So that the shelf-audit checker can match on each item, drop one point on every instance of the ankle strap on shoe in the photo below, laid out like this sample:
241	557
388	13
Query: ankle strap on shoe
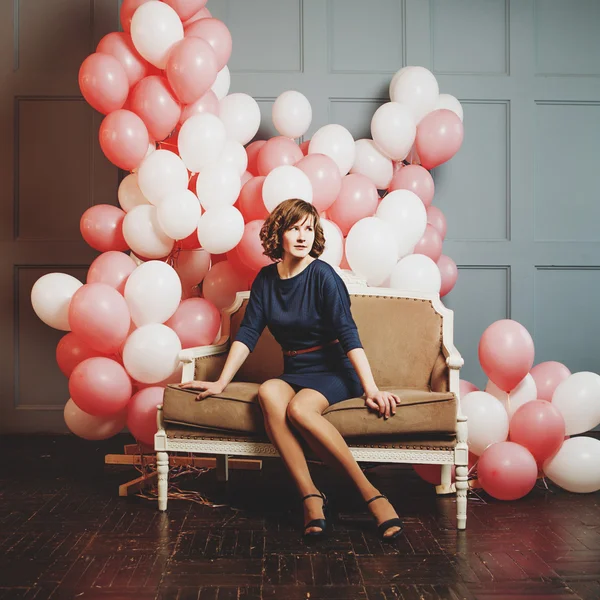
312	496
376	497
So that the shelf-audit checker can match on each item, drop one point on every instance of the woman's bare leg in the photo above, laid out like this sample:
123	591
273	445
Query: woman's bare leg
305	411
274	396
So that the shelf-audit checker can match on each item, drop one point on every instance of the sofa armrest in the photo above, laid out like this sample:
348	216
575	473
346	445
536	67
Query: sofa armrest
204	363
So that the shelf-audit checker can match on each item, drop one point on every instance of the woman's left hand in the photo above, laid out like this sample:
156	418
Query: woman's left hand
383	402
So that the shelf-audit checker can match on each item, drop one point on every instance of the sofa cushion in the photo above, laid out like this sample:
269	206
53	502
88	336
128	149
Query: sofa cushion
237	409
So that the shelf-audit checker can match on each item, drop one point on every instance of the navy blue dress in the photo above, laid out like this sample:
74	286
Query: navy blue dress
306	310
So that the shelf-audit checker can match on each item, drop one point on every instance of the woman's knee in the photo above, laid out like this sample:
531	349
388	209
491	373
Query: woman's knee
275	395
301	408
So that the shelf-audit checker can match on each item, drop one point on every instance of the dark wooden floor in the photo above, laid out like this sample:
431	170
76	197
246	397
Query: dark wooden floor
65	533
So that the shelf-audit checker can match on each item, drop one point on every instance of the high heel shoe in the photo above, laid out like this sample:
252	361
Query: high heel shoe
322	523
383	527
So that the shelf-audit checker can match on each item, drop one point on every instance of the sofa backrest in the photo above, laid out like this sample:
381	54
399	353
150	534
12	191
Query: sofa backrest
402	338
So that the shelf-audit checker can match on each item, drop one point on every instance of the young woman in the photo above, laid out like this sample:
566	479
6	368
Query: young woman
306	306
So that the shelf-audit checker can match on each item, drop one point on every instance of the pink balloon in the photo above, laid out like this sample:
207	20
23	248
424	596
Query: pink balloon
250	249
506	353
246	177
439	137
101	226
191	68
153	101
71	350
207	103
449	273
124	139
325	177
120	45
234	260
507	471
203	13
216	33
252	151
126	14
103	82
99	316
222	283
547	376
100	386
357	199
278	151
432	473
89	427
304	147
112	268
196	322
430	244
436	218
186	9
416	179
538	426
466	387
250	201
141	414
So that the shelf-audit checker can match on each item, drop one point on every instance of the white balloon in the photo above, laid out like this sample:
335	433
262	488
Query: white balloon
394	130
416	273
334	243
201	139
576	466
526	391
284	183
51	297
408	215
488	421
292	114
240	114
220	229
152	292
451	103
395	78
372	163
151	353
155	28
178	214
221	85
218	185
371	250
235	155
160	174
129	193
336	142
143	232
418	89
578	399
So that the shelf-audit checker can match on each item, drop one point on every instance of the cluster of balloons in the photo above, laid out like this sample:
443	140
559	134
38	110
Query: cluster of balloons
184	238
520	426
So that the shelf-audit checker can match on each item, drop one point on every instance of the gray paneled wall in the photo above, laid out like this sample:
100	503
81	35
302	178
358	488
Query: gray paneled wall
521	197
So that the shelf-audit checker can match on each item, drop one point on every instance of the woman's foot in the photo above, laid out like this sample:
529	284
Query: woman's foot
313	509
382	510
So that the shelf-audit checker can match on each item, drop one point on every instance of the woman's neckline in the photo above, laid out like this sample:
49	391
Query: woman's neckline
280	278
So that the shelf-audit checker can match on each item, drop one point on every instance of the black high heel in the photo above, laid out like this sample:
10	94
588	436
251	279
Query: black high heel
322	523
383	527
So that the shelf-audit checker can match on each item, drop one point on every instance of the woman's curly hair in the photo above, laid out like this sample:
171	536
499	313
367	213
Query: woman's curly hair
284	215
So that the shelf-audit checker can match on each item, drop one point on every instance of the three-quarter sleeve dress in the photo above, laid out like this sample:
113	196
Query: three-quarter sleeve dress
309	309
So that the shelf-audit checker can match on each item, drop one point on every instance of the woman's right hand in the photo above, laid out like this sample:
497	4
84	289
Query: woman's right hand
207	388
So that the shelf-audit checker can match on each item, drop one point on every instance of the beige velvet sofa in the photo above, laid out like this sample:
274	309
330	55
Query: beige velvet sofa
408	339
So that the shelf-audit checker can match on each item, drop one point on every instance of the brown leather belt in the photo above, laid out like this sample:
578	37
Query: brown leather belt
303	351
